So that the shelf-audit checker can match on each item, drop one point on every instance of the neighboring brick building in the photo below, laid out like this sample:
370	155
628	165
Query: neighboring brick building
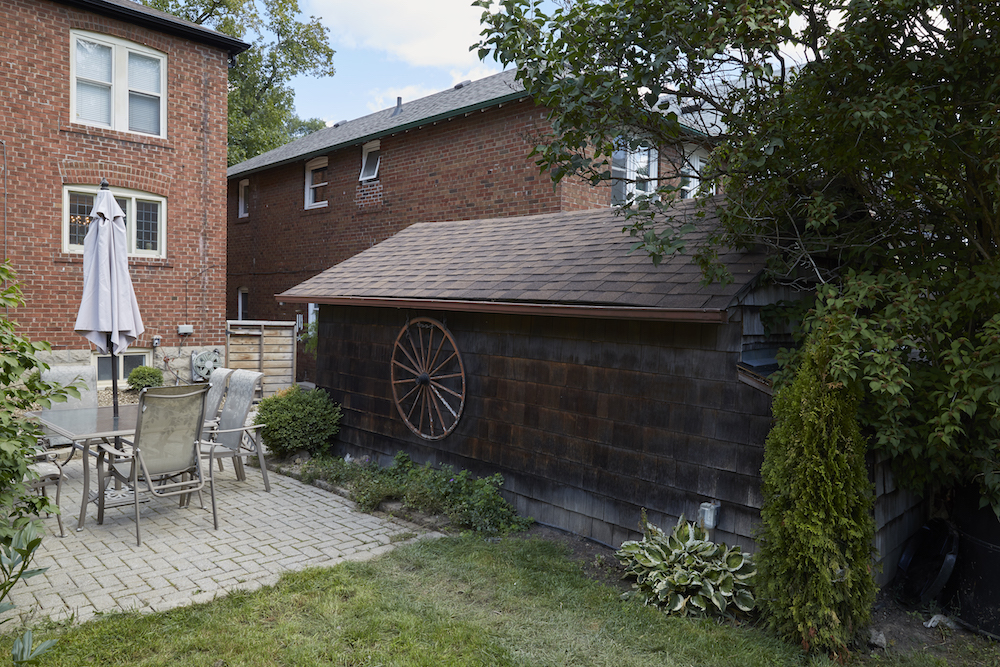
114	89
460	154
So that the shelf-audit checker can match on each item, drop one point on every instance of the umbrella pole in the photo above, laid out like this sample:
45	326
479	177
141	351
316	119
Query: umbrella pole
114	377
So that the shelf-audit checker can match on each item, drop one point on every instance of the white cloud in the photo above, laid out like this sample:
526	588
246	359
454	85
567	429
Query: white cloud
420	33
383	98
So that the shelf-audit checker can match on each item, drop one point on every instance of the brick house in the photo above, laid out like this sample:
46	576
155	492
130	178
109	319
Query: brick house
460	154
113	89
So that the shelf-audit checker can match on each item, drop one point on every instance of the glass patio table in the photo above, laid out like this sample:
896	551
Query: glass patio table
84	427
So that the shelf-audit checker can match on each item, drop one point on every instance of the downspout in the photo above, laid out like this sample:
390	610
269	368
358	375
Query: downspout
5	257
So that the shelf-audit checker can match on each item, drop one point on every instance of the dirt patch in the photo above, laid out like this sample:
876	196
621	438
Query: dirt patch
597	561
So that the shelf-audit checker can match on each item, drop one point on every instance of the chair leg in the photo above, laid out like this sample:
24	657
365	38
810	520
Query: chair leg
263	470
62	531
135	500
241	473
215	514
100	489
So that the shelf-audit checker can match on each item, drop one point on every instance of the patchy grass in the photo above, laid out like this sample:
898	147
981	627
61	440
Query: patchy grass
454	601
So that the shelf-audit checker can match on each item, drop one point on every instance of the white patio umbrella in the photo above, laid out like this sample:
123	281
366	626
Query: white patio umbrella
109	314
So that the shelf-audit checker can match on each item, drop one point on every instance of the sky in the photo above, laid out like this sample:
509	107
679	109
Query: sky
388	49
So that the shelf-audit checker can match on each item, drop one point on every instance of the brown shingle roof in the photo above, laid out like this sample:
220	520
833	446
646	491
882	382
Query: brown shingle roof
577	262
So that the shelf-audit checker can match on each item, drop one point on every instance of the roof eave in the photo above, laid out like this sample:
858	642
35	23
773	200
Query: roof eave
396	129
689	315
177	27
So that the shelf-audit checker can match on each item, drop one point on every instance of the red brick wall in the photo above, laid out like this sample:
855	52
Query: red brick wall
45	150
471	167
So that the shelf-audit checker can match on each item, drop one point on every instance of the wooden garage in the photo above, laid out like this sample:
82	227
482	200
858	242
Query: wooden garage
541	348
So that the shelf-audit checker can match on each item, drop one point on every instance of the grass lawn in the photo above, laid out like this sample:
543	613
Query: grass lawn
454	601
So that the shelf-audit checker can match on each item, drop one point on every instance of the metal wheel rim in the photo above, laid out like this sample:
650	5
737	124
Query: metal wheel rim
428	378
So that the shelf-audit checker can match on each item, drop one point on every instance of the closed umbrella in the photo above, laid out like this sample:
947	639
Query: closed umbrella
109	314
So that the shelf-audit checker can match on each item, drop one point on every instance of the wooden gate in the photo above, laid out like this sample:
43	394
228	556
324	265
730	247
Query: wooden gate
268	347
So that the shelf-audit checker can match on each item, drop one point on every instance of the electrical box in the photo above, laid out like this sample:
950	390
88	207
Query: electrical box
185	329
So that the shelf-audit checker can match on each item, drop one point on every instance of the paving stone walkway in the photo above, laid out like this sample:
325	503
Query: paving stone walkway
183	560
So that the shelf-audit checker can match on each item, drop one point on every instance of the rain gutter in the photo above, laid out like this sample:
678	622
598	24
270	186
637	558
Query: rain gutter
689	315
140	15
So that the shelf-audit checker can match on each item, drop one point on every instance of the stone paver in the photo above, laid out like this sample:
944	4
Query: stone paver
182	560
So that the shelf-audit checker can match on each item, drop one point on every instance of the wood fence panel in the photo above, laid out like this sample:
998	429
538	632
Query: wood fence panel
267	347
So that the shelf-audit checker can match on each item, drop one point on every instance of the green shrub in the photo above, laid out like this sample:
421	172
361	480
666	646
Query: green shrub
470	503
686	573
298	420
145	376
816	534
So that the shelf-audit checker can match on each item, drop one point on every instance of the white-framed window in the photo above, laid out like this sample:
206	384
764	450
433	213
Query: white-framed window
371	157
117	84
316	182
243	304
131	359
145	219
244	194
634	171
694	164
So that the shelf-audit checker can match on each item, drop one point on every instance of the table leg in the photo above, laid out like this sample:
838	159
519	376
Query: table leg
86	486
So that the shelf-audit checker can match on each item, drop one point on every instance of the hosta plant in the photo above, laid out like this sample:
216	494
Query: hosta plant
685	573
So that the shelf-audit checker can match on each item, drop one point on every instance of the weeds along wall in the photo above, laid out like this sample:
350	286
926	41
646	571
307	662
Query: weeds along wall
588	420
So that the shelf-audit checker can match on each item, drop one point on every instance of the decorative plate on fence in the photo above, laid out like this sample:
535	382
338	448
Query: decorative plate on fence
428	378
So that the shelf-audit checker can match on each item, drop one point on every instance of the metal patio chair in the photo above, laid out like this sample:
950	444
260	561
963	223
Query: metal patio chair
64	375
164	458
49	473
56	451
219	383
234	438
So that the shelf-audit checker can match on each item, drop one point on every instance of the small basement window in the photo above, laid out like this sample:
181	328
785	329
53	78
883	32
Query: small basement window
127	362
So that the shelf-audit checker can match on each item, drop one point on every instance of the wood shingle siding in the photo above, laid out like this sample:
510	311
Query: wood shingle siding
588	420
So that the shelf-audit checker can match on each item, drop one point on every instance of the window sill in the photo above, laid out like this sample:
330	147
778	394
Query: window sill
130	137
74	258
316	207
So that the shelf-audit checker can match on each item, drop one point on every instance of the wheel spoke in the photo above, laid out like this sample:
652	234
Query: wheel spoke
437	353
409	393
441	365
405	367
438	385
446	404
413	361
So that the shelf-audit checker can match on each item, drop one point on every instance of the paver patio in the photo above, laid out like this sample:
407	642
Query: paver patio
182	559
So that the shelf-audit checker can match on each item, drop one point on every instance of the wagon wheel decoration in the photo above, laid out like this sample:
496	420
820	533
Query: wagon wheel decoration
428	378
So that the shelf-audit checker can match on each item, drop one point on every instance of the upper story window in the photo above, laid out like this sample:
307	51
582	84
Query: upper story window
145	219
244	189
118	84
634	171
370	160
316	183
694	164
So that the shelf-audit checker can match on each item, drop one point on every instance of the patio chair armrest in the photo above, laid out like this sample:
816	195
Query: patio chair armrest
109	448
251	427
